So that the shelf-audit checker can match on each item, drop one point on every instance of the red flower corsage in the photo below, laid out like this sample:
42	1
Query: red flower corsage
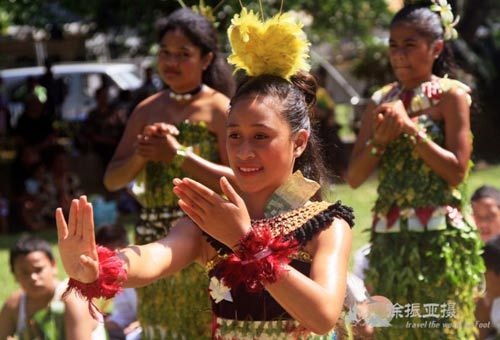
108	284
259	259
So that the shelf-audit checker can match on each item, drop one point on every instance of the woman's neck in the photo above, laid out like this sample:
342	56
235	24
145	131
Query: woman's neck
411	84
187	88
256	203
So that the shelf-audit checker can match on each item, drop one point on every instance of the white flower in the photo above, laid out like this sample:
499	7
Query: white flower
219	291
444	9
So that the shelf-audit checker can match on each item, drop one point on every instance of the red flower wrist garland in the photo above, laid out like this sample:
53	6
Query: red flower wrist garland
259	259
108	284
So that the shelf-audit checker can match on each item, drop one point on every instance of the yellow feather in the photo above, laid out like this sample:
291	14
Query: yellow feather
277	46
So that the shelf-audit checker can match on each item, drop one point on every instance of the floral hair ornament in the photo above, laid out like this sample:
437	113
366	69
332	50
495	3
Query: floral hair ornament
443	8
277	46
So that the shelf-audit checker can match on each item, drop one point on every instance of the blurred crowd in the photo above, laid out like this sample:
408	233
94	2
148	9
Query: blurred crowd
42	175
39	150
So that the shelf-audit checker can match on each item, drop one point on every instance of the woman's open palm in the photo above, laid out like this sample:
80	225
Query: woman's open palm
76	241
225	220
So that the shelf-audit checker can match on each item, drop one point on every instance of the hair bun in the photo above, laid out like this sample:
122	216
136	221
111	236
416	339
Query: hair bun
306	83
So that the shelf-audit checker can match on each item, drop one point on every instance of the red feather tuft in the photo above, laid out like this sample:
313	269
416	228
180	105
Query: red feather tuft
260	258
108	284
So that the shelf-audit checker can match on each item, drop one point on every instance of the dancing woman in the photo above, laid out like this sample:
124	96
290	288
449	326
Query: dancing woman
425	253
273	273
175	132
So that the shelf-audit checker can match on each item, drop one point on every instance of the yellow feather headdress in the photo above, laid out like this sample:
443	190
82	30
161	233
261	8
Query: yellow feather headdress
277	46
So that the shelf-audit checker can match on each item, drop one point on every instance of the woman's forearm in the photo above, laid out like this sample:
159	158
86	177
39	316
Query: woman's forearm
150	262
361	167
443	162
362	163
121	172
145	264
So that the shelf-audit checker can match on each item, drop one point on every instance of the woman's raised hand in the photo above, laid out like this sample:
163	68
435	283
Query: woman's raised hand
160	129
225	220
390	120
158	143
76	241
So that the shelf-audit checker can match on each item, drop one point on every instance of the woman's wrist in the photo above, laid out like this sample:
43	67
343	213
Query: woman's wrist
182	152
137	159
236	240
375	148
418	136
259	258
110	280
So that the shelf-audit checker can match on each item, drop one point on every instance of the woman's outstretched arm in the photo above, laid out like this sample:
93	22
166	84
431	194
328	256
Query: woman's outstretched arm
127	162
362	164
315	301
144	264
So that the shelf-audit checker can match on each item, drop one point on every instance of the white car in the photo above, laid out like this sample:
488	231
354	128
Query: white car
81	79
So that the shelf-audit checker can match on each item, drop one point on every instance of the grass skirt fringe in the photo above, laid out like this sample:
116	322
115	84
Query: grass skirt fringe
434	267
176	307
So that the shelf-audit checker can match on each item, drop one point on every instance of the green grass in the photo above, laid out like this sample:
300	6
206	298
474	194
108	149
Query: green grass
360	199
6	241
6	277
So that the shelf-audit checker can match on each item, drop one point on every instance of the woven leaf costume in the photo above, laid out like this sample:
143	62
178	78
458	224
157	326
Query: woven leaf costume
425	249
240	314
177	305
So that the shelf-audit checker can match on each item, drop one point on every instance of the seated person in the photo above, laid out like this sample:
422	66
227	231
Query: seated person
486	209
488	307
49	184
38	310
122	323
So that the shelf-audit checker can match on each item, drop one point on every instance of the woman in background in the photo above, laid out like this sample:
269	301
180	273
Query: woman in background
176	132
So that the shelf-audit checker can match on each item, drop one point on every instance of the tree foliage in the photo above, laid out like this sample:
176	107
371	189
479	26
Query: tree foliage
478	49
347	18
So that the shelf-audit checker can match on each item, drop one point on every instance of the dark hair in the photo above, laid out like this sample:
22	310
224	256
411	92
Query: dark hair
486	191
201	32
491	255
297	98
111	235
27	244
428	24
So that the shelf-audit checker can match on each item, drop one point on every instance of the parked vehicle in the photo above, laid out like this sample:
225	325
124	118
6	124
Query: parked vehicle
81	81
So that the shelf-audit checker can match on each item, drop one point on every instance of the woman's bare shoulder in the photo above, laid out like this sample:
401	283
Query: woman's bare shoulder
149	107
218	101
